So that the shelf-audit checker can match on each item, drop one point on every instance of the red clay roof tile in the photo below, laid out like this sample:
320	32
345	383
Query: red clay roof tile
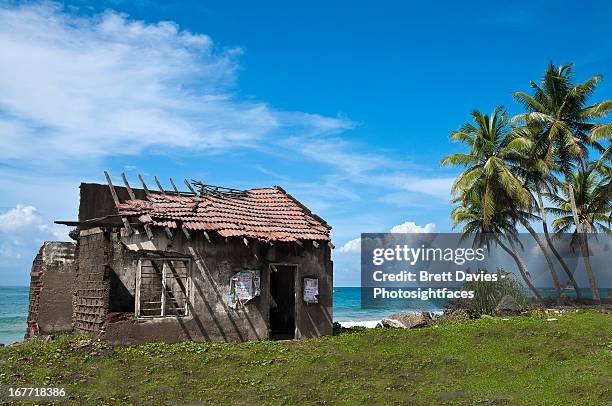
269	214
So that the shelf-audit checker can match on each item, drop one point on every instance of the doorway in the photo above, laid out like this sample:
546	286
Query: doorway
282	301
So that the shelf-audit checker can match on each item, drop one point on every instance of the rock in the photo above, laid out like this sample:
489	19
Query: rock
453	316
507	306
407	320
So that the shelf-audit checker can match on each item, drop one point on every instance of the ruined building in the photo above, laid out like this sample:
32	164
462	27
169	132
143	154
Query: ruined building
208	263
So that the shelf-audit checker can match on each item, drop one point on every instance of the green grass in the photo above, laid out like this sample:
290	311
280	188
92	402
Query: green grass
522	360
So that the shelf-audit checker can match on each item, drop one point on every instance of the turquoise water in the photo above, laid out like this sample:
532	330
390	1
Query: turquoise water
347	306
13	313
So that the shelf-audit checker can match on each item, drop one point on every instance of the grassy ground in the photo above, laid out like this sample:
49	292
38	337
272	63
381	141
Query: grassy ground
523	360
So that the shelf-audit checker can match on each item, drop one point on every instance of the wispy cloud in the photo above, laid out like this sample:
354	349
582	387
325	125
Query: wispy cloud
400	180
73	87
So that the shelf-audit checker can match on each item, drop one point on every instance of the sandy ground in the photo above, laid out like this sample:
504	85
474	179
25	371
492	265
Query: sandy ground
363	323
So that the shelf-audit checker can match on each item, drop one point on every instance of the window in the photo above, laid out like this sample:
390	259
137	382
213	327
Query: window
162	287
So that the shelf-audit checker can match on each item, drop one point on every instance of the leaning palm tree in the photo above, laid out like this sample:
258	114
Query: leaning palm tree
536	168
491	165
560	107
591	194
500	229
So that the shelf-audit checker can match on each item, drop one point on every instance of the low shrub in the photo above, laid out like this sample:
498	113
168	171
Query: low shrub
488	294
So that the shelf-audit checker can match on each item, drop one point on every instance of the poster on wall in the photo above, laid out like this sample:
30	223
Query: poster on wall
244	286
311	290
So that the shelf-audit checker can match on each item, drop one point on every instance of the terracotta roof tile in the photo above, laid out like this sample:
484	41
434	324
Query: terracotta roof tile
269	214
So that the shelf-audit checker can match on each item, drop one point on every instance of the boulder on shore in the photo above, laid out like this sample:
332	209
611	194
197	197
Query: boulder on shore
407	320
507	306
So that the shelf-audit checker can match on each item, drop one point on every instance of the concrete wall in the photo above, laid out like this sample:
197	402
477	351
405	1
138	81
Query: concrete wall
210	318
51	289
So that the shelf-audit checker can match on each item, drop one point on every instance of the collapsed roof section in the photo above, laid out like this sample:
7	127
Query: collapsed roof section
268	214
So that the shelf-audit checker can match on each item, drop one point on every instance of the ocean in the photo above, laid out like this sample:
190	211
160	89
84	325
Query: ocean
347	309
13	313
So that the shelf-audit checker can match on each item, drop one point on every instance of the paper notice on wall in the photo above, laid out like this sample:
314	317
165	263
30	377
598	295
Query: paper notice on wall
311	290
245	285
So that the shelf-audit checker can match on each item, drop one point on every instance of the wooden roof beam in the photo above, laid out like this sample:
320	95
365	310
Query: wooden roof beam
159	186
127	186
125	221
144	185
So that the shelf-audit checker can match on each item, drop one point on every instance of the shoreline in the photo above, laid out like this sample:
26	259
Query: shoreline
360	323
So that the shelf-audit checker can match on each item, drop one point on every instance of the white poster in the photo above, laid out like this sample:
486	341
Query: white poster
244	286
311	290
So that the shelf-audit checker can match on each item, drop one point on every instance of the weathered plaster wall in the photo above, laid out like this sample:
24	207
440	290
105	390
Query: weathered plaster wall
51	289
210	318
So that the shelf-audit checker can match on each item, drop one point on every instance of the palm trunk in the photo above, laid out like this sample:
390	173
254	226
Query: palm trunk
521	267
549	261
583	244
590	274
554	250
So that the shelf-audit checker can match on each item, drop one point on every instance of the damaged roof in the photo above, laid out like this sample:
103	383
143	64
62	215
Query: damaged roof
268	214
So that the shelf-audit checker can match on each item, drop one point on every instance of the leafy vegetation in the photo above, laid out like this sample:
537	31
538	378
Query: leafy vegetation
487	294
520	360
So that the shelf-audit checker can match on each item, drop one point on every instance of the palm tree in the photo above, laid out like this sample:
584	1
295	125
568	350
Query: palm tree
499	228
491	158
492	163
536	171
591	194
560	107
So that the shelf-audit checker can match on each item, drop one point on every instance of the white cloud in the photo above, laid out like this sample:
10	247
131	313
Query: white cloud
19	217
106	85
412	227
351	246
406	227
25	221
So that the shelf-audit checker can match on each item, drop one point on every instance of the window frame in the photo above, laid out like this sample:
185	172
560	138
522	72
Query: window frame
188	265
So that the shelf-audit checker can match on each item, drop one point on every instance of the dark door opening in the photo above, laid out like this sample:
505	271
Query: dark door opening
282	302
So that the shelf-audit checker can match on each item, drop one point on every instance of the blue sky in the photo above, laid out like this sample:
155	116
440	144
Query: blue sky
347	106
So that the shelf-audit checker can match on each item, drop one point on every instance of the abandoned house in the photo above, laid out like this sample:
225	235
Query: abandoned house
206	264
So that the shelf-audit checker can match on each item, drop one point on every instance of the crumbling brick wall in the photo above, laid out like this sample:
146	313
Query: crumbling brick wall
93	281
51	289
